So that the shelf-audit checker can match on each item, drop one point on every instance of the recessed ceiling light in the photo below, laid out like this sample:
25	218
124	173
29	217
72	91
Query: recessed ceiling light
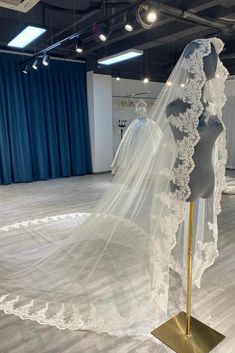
25	37
125	55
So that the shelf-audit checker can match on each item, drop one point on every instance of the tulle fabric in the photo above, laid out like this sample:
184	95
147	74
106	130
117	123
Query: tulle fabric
108	271
139	130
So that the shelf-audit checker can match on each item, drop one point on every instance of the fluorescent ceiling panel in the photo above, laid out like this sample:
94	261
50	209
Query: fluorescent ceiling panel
25	37
125	55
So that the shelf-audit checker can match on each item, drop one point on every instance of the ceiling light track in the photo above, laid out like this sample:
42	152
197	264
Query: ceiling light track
147	11
86	29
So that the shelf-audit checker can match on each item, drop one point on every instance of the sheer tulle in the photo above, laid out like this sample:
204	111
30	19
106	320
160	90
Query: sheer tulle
138	131
109	271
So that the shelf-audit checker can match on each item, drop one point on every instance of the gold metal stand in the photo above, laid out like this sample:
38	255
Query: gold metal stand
183	333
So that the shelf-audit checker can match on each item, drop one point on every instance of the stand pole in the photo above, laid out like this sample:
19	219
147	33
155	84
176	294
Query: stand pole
183	333
190	270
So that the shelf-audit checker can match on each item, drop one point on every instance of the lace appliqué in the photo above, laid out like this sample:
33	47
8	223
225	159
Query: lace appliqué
187	123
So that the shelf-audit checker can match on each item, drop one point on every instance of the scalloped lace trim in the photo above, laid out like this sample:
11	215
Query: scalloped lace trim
37	221
75	322
187	122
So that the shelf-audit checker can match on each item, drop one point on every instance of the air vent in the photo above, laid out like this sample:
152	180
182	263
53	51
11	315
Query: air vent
19	5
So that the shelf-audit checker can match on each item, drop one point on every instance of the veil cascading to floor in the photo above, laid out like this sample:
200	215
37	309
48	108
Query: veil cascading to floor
109	271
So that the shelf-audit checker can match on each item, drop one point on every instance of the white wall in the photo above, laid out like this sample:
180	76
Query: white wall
108	101
126	87
99	94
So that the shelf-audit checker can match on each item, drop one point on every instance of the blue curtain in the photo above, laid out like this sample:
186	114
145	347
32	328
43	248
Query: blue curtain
44	131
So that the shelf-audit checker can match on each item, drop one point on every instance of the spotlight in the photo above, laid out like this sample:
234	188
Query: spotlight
25	69
118	78
104	33
103	37
79	46
146	80
35	64
147	14
128	27
182	85
152	14
130	21
45	60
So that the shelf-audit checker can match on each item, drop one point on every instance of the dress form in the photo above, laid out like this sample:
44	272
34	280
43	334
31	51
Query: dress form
140	129
201	182
141	109
189	333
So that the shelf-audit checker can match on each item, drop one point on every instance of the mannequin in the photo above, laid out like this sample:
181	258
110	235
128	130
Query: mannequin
201	182
139	130
141	109
206	127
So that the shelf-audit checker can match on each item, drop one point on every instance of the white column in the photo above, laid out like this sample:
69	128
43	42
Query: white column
99	95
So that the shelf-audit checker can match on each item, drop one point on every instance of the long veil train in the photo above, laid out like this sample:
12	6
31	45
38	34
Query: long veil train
109	270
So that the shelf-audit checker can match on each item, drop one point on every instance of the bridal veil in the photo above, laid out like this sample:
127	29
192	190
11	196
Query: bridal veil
108	271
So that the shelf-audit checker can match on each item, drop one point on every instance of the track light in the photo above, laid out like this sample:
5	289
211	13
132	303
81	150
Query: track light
130	21
129	27
25	69
35	64
45	60
152	14
104	33
79	46
147	14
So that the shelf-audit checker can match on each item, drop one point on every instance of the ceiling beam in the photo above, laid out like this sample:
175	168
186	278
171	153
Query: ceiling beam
186	17
84	30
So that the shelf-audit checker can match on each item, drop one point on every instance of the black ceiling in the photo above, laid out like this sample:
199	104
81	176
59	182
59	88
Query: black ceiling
162	44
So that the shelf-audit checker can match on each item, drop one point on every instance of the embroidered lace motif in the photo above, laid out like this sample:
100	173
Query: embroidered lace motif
187	123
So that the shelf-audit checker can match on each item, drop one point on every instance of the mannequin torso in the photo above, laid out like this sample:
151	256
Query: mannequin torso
201	182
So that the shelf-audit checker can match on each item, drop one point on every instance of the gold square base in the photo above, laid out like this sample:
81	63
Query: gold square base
202	340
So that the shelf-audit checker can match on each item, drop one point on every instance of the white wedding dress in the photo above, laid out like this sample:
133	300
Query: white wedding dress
109	271
138	131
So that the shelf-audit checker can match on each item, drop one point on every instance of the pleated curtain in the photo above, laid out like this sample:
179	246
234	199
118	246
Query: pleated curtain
44	130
